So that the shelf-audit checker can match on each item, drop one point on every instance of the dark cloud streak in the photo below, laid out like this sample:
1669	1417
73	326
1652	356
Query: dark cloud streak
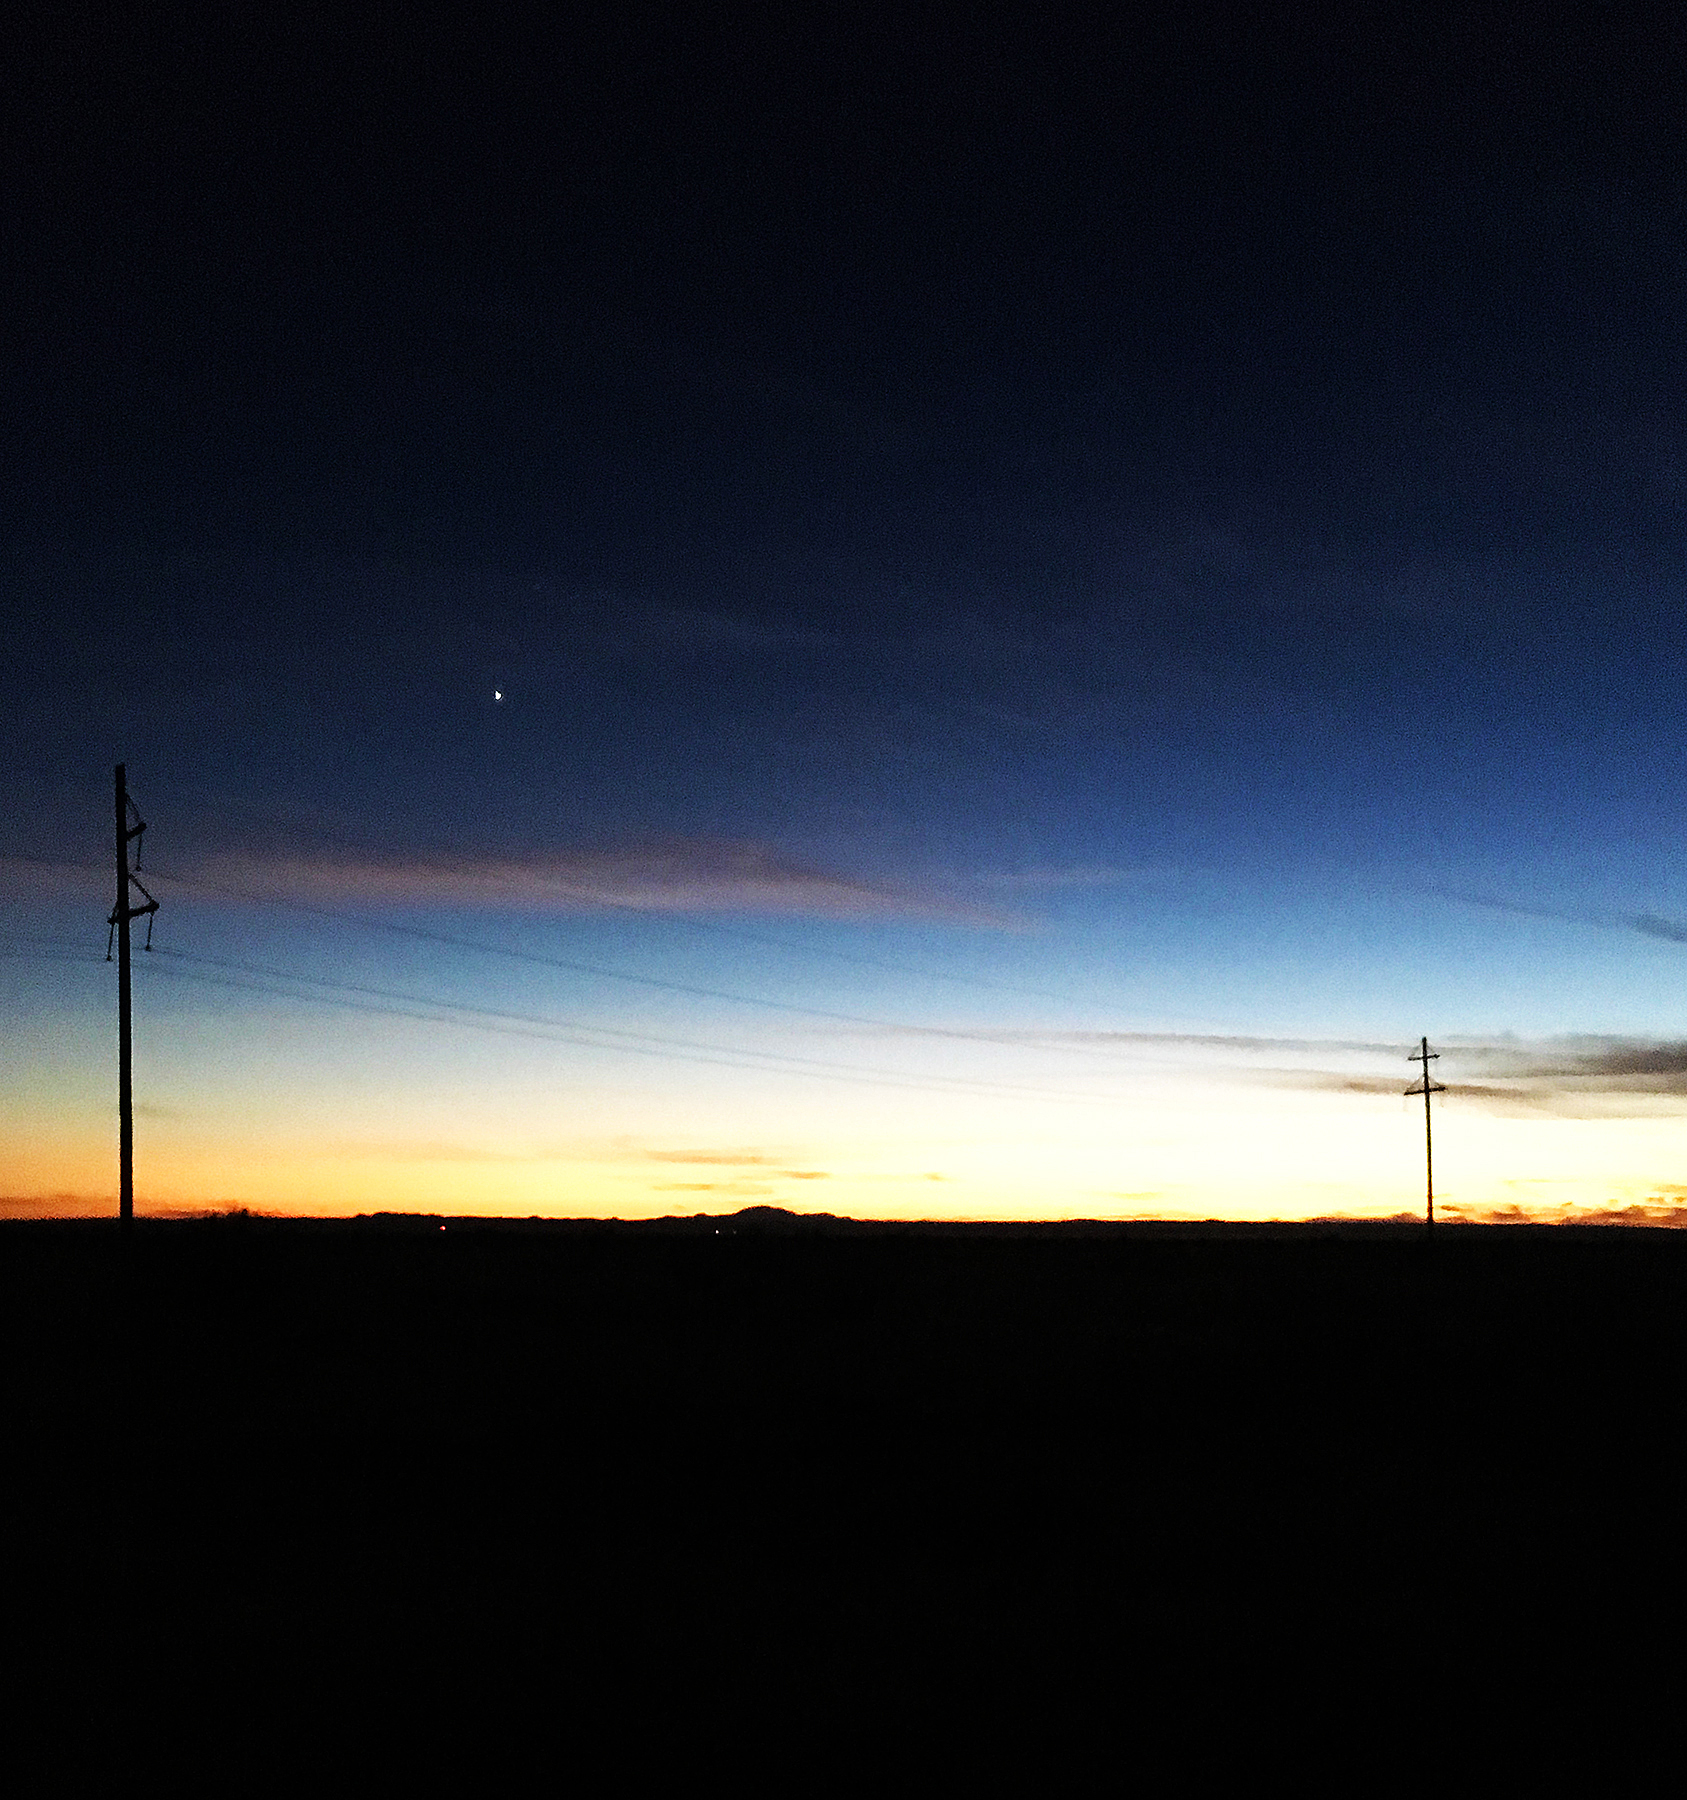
1672	931
1652	925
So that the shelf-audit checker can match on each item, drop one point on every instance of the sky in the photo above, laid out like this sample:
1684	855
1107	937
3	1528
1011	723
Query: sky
923	612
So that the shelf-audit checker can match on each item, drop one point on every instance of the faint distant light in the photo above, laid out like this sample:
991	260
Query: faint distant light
497	694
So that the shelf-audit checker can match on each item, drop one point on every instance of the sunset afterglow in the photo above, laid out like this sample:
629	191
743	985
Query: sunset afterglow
376	1041
993	624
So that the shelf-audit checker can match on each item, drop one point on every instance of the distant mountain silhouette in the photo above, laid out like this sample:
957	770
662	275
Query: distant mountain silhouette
777	1221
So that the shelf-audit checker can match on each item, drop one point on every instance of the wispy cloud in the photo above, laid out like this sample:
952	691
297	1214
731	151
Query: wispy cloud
649	628
1568	1077
422	1151
1093	875
730	1159
1572	1076
1652	925
669	875
1499	1069
740	1189
1146	1040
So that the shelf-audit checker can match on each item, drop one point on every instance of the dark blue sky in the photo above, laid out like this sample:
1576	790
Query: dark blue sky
1206	482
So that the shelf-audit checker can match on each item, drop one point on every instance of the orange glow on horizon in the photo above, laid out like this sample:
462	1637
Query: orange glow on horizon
1162	1162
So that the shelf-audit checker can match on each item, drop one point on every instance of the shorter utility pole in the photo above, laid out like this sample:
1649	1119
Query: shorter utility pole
1426	1087
121	914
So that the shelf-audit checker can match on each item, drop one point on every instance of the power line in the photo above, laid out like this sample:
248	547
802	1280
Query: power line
576	967
576	1025
711	926
616	974
634	1043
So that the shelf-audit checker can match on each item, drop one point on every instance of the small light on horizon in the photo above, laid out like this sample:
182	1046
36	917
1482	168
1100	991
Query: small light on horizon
497	694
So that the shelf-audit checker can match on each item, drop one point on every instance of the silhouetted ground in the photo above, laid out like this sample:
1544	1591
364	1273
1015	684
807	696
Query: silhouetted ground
678	1452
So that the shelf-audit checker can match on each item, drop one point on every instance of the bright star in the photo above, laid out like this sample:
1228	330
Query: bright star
496	695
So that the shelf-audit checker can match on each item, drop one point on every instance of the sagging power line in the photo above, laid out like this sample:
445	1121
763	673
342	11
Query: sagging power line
580	1032
605	972
1001	1039
596	899
129	829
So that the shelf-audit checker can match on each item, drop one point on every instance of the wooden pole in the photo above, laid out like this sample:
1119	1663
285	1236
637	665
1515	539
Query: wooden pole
125	1094
1426	1087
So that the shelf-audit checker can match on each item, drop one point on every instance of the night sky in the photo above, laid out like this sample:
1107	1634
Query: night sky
936	611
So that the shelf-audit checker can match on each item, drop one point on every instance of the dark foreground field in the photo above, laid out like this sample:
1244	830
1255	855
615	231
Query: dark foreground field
772	1453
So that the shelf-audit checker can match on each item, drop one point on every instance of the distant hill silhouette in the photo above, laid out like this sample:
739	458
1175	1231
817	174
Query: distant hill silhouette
778	1221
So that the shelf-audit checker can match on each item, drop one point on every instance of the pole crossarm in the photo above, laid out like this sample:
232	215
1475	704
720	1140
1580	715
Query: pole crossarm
133	912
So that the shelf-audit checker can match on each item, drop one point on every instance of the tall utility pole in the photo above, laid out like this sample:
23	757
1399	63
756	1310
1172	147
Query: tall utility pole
121	914
1426	1087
